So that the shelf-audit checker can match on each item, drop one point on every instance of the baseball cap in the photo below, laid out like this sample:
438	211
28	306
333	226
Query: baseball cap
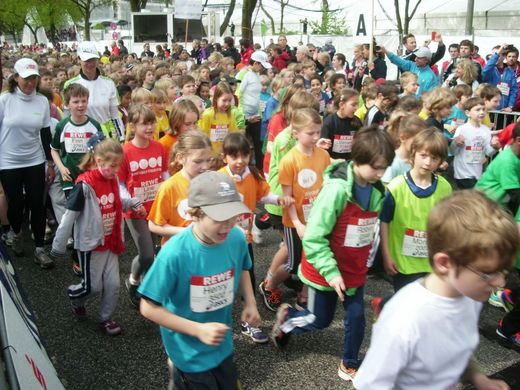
260	56
87	50
423	52
216	194
26	67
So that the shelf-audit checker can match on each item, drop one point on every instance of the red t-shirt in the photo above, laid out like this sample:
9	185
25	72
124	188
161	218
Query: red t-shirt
276	124
142	172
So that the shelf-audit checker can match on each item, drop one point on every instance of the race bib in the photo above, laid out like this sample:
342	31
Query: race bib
108	223
218	133
342	143
306	206
414	243
504	88
210	293
473	154
76	142
456	122
146	193
360	233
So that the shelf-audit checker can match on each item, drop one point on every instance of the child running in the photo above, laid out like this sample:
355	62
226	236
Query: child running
190	156
143	170
337	241
408	201
95	210
183	116
190	288
301	177
253	188
426	335
218	120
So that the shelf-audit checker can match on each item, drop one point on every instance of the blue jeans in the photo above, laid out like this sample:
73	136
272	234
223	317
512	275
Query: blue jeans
319	314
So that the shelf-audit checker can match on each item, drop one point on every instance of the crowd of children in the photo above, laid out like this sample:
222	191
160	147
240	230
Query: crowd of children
346	177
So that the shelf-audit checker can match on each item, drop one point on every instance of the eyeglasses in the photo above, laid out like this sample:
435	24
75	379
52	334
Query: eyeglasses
488	277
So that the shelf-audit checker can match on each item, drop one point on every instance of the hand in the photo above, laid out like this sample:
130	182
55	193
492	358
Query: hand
285	201
390	266
300	229
495	142
459	140
65	174
502	49
250	315
141	211
399	52
371	66
212	333
507	109
444	166
450	128
254	119
51	174
427	42
482	382
324	143
338	284
438	37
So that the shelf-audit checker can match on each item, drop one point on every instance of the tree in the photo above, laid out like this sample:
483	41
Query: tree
227	18
271	20
402	23
85	8
248	7
282	10
137	5
331	23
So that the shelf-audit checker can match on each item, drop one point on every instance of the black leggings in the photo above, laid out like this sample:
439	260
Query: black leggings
33	180
253	132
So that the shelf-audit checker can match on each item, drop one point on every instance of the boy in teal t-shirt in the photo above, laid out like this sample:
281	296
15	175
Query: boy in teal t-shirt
192	300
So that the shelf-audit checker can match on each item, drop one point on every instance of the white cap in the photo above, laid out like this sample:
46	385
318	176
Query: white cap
423	52
26	67
260	56
87	50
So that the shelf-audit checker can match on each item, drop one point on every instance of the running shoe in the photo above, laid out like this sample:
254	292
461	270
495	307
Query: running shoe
272	298
256	334
279	337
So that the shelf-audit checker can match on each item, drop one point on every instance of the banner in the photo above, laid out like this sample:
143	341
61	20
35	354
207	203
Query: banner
26	361
188	9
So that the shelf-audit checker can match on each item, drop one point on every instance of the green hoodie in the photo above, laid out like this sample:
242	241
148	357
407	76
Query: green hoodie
336	193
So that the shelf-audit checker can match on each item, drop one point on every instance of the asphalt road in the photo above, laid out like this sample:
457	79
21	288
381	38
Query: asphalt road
85	358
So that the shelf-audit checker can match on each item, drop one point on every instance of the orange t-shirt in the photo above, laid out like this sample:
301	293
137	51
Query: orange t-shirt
171	202
305	174
252	190
167	141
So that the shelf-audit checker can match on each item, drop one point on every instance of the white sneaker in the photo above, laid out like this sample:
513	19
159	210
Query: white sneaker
257	234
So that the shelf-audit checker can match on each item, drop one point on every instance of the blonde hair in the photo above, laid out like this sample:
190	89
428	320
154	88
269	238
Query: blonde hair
103	150
440	98
276	84
305	117
469	227
431	140
140	95
469	70
164	84
301	99
406	78
159	96
141	74
178	114
188	141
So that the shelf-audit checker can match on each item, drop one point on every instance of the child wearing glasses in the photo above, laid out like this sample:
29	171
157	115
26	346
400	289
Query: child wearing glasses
429	329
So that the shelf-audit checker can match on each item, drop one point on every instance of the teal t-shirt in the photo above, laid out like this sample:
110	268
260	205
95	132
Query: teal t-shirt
197	282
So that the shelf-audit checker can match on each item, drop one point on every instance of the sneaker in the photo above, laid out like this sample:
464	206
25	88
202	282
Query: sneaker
515	339
504	299
257	235
272	298
79	311
76	268
256	334
376	307
134	296
8	237
16	244
111	328
346	373
494	299
279	337
42	259
48	235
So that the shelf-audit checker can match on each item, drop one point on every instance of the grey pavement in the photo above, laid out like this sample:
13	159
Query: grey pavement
87	359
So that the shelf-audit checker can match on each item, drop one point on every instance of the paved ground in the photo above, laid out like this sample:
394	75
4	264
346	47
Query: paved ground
87	359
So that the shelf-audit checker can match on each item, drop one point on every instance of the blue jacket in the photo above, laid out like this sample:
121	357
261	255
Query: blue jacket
427	79
491	75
